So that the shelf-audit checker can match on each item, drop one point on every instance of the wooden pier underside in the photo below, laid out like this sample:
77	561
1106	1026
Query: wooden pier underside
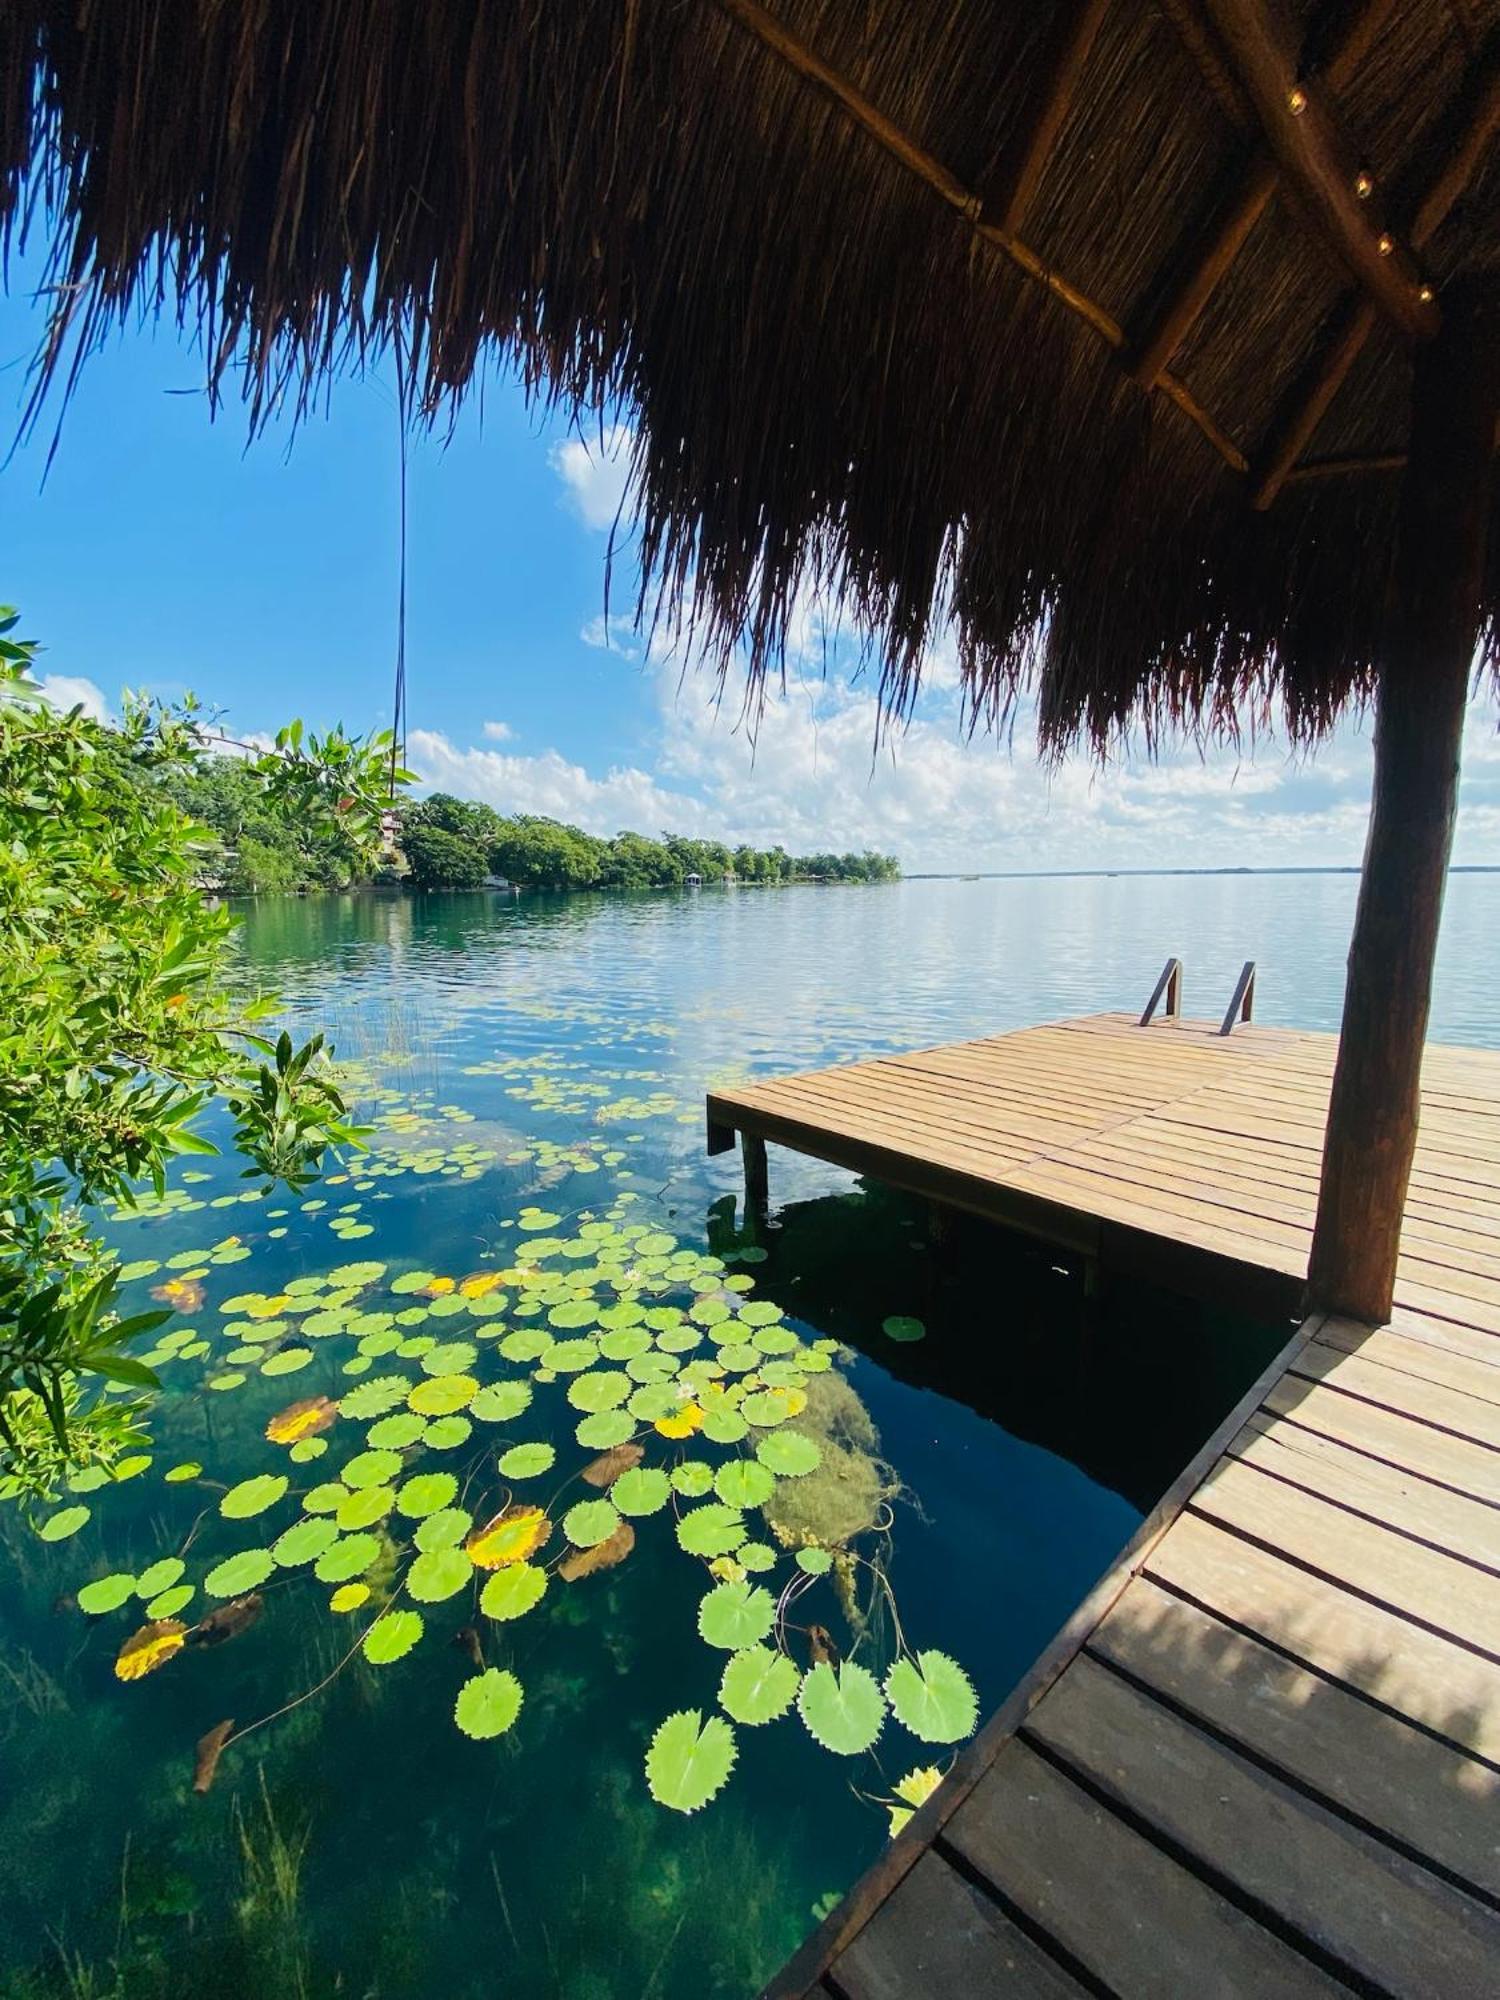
1263	1756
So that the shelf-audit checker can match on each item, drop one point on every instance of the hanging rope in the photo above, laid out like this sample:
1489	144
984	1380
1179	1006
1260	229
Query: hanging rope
398	704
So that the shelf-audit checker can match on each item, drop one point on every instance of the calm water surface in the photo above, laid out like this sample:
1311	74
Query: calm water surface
551	1056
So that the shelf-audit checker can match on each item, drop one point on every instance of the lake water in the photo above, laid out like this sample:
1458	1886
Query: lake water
535	1235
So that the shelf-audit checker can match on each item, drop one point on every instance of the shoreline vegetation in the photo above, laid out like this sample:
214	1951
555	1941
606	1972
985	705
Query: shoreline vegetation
443	842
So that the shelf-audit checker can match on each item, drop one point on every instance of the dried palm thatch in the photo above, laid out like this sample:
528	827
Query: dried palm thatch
877	283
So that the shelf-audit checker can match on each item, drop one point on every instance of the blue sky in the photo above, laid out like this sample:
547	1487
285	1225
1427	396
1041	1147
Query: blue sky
165	551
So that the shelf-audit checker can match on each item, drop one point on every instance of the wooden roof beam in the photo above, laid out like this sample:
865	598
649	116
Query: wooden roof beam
1021	168
1227	233
774	35
1318	163
1356	317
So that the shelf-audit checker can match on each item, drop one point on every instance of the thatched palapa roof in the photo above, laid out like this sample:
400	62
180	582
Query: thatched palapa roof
1067	316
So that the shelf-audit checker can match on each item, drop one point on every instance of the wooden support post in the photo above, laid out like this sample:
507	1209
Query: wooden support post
1432	625
757	1180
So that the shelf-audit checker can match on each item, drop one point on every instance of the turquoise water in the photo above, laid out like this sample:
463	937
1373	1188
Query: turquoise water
536	1074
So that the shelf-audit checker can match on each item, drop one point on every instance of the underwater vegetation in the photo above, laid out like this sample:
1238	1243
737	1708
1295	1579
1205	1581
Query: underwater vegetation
482	1440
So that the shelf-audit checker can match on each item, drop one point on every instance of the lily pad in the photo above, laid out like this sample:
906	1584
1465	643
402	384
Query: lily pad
933	1697
736	1615
510	1593
170	1602
510	1537
304	1541
395	1432
743	1483
438	1574
501	1402
149	1648
605	1429
364	1508
902	1326
392	1636
689	1760
488	1704
842	1707
239	1573
789	1454
442	1529
758	1685
106	1593
600	1389
711	1530
371	1468
286	1361
590	1522
375	1397
447	1433
65	1522
426	1494
441	1395
253	1496
347	1558
526	1461
641	1490
816	1562
692	1478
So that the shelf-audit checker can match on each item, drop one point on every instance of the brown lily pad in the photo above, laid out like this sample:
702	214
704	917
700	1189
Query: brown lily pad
604	1555
607	1467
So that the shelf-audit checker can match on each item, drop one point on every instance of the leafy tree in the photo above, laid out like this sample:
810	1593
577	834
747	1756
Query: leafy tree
116	1031
442	860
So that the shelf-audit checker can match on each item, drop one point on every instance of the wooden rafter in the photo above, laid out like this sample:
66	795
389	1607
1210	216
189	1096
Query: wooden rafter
1021	170
779	39
1464	156
1226	235
1304	133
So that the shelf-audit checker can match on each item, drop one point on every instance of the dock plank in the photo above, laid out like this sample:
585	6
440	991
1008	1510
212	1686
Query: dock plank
1390	1921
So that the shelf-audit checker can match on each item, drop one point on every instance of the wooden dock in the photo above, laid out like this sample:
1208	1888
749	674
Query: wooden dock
1172	1150
1263	1756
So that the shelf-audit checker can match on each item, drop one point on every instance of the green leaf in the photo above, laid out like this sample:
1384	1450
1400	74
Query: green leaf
364	1508
711	1530
371	1468
901	1326
817	1562
692	1478
590	1522
743	1483
253	1496
789	1454
347	1558
488	1704
526	1461
442	1529
161	1575
608	1428
392	1636
239	1573
641	1490
933	1697
736	1615
65	1522
501	1402
511	1592
304	1541
438	1574
426	1494
842	1707
602	1389
106	1593
758	1685
689	1760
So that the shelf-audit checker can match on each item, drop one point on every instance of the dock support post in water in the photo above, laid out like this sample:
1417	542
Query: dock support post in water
757	1180
1430	634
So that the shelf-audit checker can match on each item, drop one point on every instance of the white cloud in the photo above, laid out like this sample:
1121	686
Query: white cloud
625	798
68	691
498	732
606	633
596	473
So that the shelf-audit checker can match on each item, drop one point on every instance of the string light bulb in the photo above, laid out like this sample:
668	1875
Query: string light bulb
1424	293
1364	186
1296	102
1385	245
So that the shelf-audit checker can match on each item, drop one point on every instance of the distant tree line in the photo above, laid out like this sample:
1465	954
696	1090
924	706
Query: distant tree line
454	843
